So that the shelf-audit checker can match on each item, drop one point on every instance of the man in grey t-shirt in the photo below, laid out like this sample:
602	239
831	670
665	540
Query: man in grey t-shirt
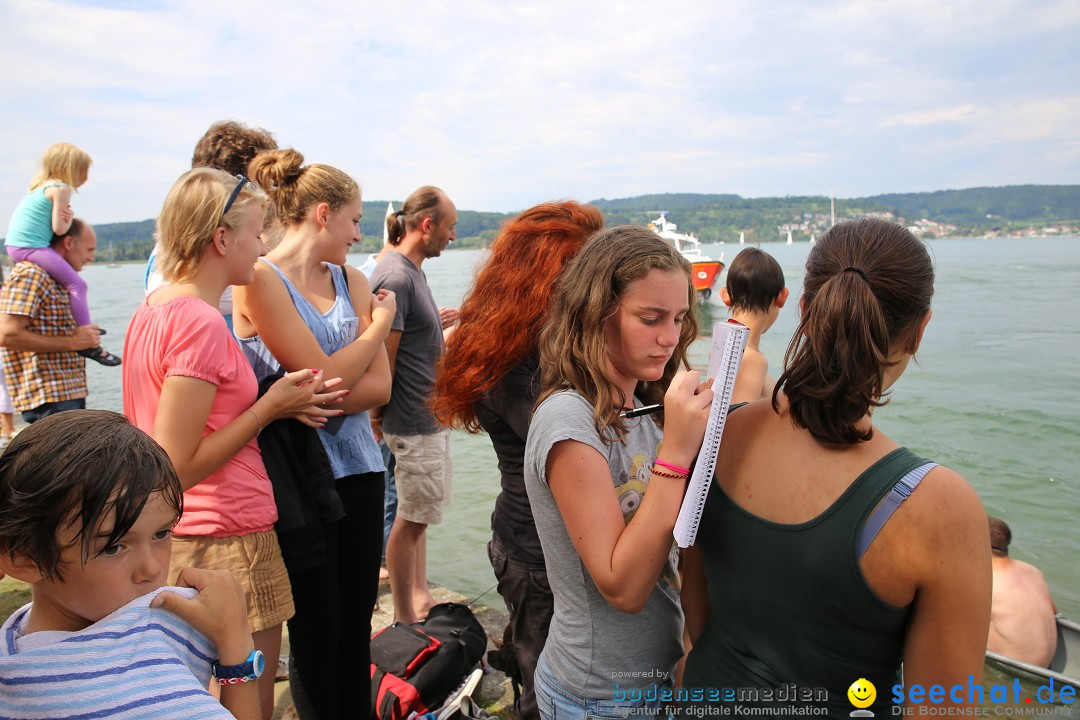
422	229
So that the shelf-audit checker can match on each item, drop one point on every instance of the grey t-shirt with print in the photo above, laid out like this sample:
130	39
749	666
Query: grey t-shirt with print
591	646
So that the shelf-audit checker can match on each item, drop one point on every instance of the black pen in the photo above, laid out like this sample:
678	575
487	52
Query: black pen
642	411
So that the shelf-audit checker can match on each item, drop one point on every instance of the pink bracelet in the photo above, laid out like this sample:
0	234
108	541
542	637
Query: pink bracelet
672	468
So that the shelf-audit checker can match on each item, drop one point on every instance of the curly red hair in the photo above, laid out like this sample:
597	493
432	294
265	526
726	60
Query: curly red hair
502	315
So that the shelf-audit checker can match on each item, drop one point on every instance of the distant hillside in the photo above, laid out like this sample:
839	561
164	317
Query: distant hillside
989	207
1016	209
976	211
722	217
664	201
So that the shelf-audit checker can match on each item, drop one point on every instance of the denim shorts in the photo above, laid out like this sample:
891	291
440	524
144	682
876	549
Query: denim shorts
557	703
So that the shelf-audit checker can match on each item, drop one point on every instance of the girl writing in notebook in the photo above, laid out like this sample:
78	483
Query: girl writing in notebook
605	490
790	580
46	211
488	380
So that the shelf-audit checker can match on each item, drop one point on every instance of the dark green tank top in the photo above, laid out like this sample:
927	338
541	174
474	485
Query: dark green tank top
789	603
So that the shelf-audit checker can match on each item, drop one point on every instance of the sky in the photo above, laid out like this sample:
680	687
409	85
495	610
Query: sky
506	104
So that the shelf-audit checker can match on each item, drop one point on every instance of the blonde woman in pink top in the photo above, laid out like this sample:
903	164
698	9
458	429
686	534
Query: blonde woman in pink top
187	384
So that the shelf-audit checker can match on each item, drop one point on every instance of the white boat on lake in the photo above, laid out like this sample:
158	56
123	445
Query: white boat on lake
705	269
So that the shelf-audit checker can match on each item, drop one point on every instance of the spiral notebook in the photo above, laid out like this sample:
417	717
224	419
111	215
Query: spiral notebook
728	343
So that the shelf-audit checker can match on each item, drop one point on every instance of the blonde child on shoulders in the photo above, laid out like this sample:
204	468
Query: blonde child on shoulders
755	293
46	211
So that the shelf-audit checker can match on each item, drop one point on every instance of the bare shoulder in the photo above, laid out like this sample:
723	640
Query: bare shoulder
944	486
1029	571
265	297
754	362
754	358
948	513
358	281
263	273
747	426
359	287
750	417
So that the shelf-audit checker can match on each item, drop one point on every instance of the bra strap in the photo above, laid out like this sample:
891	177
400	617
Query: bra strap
884	511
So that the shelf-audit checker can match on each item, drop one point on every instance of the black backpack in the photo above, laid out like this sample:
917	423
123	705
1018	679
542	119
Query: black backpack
414	668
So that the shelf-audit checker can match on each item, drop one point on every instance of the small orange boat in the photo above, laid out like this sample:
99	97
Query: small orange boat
705	269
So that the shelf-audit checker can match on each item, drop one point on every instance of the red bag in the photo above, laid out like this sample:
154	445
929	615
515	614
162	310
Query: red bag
414	668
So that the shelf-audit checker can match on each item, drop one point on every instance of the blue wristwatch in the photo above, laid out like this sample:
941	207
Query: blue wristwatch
250	669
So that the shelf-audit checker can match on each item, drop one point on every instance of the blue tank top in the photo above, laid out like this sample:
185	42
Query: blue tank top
31	223
348	439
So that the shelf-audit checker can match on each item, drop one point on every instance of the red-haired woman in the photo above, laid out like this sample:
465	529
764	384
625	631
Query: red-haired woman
486	381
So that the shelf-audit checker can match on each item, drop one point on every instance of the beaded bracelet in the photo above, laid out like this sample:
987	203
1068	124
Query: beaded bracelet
673	476
672	468
258	422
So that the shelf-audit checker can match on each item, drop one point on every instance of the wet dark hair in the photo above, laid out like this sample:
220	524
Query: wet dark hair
70	470
868	285
231	146
424	202
1000	536
754	280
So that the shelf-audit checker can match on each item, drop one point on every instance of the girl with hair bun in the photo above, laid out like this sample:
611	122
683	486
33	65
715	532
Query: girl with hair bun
605	489
307	309
799	574
187	384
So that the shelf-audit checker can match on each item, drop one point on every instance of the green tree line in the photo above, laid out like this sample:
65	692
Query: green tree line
722	217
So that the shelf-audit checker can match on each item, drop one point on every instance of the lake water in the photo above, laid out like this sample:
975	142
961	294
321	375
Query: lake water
995	395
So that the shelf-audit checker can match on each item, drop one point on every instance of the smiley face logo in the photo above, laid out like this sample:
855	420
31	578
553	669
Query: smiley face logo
862	693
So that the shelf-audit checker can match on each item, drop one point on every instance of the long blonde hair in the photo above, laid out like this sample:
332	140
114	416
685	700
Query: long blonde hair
193	210
573	346
65	162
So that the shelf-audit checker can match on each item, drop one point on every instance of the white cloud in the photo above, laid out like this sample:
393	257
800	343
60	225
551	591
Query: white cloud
507	104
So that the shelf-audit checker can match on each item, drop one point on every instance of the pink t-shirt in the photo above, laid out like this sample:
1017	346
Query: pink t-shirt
186	337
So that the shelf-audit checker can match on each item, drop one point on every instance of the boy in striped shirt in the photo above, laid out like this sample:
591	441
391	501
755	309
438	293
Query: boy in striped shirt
87	506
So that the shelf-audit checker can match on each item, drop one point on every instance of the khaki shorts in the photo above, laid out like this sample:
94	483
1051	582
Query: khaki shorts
253	559
423	474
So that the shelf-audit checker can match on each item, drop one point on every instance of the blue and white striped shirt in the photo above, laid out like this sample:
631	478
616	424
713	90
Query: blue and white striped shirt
139	662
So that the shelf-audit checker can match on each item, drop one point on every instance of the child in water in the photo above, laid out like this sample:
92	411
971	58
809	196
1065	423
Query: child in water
605	489
755	293
46	211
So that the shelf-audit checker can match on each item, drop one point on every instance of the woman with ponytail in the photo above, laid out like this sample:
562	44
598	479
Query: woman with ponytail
307	309
799	574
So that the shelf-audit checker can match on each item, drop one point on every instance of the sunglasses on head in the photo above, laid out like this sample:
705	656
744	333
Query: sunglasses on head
236	191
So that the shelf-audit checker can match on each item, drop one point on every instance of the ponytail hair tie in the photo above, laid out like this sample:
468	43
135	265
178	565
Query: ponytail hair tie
854	269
